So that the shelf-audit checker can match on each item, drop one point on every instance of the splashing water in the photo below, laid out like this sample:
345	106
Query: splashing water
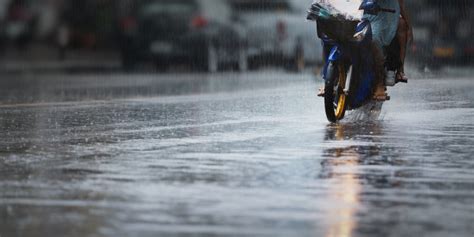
369	112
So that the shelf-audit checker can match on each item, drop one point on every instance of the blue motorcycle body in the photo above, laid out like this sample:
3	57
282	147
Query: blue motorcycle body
357	56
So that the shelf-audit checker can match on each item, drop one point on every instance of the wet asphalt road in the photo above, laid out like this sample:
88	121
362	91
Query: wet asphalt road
240	160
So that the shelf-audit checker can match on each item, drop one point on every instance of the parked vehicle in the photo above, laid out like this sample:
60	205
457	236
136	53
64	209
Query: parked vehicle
277	33
443	32
199	33
89	24
20	22
445	48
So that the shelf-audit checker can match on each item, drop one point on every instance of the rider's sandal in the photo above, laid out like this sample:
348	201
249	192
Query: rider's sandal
321	92
401	77
384	97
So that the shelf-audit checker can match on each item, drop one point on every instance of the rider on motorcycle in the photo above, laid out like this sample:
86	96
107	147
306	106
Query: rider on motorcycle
385	26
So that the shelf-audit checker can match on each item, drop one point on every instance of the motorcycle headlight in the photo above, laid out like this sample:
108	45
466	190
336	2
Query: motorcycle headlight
360	35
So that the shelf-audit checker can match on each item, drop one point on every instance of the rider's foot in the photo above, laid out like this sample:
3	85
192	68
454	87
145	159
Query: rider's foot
401	77
380	93
321	92
383	97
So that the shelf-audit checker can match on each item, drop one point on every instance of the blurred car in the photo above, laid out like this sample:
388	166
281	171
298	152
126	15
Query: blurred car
443	32
277	31
199	33
465	34
448	44
19	24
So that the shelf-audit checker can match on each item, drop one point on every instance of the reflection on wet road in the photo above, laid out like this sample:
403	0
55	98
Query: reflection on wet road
251	162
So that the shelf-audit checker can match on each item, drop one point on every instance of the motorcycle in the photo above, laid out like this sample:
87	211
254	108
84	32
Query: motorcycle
349	73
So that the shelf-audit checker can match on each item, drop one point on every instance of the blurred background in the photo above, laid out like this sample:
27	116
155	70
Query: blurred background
201	118
201	35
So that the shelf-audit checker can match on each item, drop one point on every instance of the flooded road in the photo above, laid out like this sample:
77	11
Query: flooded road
259	162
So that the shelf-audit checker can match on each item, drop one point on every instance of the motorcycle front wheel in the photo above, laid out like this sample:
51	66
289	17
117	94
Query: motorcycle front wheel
335	98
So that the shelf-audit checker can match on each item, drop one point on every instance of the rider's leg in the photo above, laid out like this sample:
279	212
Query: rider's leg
379	64
402	35
380	31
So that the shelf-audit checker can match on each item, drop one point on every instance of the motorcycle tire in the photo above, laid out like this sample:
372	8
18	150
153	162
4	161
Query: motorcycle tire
334	97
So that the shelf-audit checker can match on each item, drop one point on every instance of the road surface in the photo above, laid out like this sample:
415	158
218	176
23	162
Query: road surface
229	158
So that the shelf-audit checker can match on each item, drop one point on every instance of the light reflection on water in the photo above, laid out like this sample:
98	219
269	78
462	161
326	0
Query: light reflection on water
342	221
341	165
